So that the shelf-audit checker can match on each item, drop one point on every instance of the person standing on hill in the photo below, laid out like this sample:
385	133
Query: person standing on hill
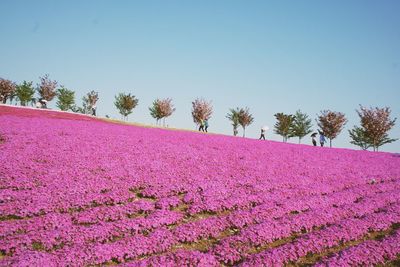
262	136
314	139
94	110
264	129
206	125
322	139
201	128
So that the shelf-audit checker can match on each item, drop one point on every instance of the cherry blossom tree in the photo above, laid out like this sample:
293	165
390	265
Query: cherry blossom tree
331	123
375	124
161	109
7	89
47	88
201	110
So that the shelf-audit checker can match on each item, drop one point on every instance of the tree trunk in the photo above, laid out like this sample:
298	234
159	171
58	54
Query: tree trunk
299	140
4	100
163	122
330	142
244	131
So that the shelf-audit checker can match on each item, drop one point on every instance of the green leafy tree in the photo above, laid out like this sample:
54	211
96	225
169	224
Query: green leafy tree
233	116
359	138
331	124
245	118
155	110
7	90
66	98
375	124
283	125
47	88
301	125
25	93
125	103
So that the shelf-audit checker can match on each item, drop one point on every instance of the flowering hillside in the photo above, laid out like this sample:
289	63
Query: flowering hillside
77	191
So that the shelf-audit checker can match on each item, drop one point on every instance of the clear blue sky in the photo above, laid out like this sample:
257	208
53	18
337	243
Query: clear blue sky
272	56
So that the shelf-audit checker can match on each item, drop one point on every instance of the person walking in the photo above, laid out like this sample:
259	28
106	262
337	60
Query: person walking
43	103
206	125
201	128
94	110
262	136
314	139
263	131
322	139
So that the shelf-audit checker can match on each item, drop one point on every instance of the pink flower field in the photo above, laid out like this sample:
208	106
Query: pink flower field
80	191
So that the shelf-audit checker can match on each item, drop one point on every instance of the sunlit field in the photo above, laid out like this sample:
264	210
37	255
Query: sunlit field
79	191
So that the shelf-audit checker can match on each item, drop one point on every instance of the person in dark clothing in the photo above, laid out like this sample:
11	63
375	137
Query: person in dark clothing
43	102
314	139
201	128
262	136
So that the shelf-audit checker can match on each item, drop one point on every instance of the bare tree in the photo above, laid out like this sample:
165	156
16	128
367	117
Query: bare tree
201	110
331	124
7	89
47	88
375	124
283	125
245	119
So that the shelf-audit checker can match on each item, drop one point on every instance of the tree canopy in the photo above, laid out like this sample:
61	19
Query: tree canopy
331	123
125	103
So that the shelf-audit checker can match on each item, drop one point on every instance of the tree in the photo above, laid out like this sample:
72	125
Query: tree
359	138
201	110
301	125
155	110
88	102
47	88
85	106
25	93
66	98
92	98
233	116
161	109
7	89
245	119
125	103
283	125
331	124
375	123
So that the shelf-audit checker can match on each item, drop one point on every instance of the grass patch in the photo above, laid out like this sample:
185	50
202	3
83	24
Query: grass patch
311	258
10	218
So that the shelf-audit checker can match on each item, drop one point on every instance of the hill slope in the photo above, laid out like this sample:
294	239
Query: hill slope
79	191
